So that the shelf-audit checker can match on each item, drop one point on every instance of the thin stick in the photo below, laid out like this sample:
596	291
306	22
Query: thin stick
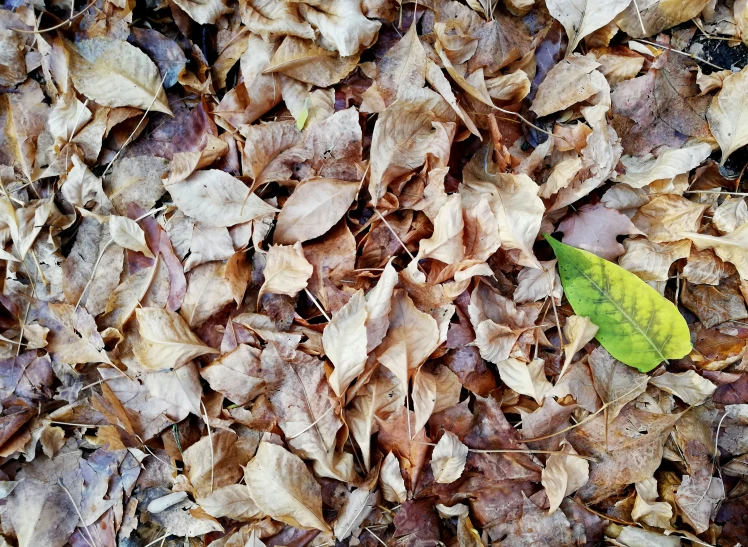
70	20
716	193
75	506
310	426
587	419
394	234
210	439
319	306
519	451
93	273
160	538
691	55
639	15
132	135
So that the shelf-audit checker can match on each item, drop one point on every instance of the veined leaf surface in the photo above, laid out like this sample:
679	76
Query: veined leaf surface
636	325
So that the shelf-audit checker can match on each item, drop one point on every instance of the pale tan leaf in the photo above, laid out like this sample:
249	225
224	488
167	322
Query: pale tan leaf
213	462
654	16
358	507
424	398
728	114
236	375
208	291
641	171
415	330
535	284
271	18
509	87
494	341
732	247
448	458
264	142
595	228
378	305
341	24
730	214
573	80
344	340
446	243
577	332
418	124
126	233
215	198
314	207
204	12
513	199
439	82
525	378
167	341
651	261
563	475
646	507
666	217
688	386
391	481
283	488
286	270
561	176
307	62
580	18
116	73
41	514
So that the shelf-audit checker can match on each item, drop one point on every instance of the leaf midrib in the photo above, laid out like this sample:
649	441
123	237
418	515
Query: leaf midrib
620	309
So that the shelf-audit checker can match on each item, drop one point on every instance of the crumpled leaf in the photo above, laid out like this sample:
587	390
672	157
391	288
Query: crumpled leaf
727	113
391	481
732	247
688	386
646	507
563	475
573	80
669	163
525	378
204	12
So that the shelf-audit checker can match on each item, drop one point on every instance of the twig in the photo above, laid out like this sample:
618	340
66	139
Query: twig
319	306
65	22
210	440
394	234
691	55
75	506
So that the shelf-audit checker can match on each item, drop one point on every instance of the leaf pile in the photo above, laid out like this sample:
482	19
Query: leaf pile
274	273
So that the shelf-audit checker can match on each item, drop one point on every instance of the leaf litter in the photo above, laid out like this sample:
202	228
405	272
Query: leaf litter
371	272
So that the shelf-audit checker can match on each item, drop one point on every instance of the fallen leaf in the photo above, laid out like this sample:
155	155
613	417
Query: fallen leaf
217	199
525	378
448	458
282	487
344	340
115	73
126	233
581	17
313	208
595	228
167	341
563	475
688	386
732	248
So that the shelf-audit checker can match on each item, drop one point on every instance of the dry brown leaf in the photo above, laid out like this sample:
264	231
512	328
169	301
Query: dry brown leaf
115	73
314	207
213	462
391	481
640	20
217	199
307	62
573	80
286	270
595	228
563	475
666	217
581	18
282	487
345	340
525	378
448	458
166	340
732	247
204	12
688	386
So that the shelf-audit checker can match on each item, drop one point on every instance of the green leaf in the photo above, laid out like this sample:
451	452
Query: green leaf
636	325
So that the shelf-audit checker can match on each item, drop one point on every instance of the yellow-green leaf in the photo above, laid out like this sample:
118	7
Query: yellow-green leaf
636	325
